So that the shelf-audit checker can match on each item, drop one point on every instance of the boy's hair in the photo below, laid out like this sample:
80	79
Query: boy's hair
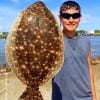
68	5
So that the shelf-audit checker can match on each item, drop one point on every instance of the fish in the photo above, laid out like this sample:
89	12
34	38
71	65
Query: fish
35	48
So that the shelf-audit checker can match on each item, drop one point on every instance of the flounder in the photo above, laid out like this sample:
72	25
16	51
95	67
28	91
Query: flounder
34	48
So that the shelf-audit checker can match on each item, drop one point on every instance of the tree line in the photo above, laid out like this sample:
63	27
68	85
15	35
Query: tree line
83	32
3	34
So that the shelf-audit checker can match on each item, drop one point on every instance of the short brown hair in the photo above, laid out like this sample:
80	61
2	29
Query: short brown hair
68	5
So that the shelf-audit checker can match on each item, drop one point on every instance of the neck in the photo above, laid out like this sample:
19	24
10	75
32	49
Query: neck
69	34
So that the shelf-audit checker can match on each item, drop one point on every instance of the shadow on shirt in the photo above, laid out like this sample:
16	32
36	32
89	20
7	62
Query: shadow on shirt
56	93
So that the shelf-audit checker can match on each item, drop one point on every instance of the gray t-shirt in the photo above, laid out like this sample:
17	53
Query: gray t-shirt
73	80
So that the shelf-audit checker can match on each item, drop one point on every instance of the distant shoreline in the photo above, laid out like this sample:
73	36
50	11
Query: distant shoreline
92	34
4	37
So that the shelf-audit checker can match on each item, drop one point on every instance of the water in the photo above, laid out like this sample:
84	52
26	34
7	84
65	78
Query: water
95	43
2	52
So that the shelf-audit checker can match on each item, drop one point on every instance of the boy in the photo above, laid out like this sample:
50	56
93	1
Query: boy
75	80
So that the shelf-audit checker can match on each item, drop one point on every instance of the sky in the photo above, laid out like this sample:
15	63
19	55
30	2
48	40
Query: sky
10	10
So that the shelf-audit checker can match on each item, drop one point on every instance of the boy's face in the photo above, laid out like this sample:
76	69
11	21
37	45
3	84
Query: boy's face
70	23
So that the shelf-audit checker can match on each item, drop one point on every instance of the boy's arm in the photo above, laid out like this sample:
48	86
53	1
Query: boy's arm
92	76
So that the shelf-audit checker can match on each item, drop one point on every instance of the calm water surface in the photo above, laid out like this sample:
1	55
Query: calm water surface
95	43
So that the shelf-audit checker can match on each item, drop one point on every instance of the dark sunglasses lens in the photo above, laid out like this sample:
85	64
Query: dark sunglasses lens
76	15
65	15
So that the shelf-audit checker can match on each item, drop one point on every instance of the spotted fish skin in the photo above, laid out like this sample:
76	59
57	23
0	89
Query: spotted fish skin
34	47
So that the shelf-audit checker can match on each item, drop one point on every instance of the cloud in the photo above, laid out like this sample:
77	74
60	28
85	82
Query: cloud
7	17
8	11
86	18
1	26
65	0
90	18
43	0
89	22
5	23
15	1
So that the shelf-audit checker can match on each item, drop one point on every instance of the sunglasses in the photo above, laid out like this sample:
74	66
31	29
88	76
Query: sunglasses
74	15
